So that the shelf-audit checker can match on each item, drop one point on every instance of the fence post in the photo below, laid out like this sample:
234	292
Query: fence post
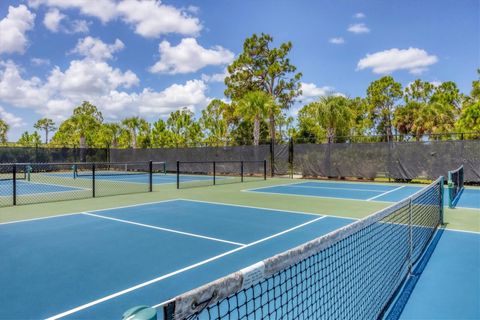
178	174
150	176
14	181
93	180
272	157
241	170
290	157
264	169
214	173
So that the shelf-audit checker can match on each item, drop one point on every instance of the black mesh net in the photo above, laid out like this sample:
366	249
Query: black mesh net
352	273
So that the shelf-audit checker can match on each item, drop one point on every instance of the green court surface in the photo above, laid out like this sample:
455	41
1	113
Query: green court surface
457	219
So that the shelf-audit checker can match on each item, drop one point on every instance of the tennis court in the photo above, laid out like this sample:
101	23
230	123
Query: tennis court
155	250
31	188
304	249
469	198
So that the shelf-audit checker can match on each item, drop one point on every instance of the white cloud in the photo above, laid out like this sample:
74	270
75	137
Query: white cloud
359	15
55	21
151	19
99	83
52	20
11	119
358	28
13	27
338	40
40	62
96	49
105	10
189	56
414	60
310	92
190	95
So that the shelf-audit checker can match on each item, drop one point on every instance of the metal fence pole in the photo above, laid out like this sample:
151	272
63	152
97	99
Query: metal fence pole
178	174
14	181
93	180
150	176
214	173
241	170
264	169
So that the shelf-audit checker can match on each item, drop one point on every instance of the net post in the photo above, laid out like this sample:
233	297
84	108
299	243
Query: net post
441	190
264	169
150	176
450	190
241	171
14	187
93	180
214	173
178	174
164	168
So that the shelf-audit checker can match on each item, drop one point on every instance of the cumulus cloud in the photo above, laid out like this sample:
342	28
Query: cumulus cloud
338	40
149	19
359	15
310	92
55	21
105	10
13	29
152	19
189	56
11	119
52	20
96	49
98	82
414	60
358	28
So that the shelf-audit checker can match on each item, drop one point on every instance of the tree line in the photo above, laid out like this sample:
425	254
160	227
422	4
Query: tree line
261	86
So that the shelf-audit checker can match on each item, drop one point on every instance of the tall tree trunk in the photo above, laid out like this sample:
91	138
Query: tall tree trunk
330	134
46	135
134	139
256	130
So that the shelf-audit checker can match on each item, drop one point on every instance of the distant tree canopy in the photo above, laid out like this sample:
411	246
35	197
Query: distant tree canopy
262	84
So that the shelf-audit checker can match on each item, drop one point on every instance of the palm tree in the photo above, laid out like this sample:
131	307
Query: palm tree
134	125
47	125
255	105
333	113
86	120
4	127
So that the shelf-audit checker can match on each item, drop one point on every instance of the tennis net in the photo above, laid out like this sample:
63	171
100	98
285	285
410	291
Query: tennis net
352	273
119	169
455	186
11	171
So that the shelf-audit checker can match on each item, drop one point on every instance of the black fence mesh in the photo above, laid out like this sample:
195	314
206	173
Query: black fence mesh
207	173
43	155
25	183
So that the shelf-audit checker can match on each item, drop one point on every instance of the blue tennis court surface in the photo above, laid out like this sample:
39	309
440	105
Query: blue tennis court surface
29	188
470	198
98	264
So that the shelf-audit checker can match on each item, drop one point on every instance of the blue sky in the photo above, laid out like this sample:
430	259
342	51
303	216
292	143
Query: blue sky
148	58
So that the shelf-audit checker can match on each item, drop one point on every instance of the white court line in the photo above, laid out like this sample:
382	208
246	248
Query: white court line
267	209
382	194
309	196
171	274
336	188
163	229
96	210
